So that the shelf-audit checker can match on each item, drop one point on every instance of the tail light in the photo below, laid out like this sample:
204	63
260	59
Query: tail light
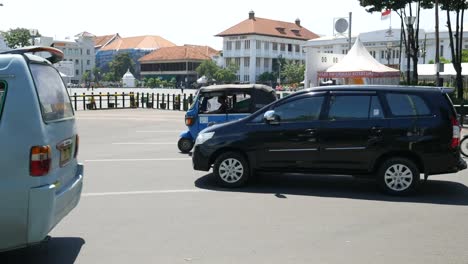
77	143
456	133
40	161
189	120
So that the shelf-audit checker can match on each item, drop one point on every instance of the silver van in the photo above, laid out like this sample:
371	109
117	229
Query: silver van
40	177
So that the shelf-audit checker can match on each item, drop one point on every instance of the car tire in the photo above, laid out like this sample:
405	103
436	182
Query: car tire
398	176
231	170
185	145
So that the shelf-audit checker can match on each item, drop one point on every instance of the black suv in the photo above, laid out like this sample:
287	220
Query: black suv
394	133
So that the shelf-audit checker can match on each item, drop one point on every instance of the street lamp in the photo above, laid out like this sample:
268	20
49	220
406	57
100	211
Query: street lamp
279	69
389	52
409	21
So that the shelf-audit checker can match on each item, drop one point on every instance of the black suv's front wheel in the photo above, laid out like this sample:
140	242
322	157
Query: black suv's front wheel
231	169
398	176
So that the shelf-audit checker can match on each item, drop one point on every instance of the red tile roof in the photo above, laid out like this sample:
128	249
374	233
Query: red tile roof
100	41
141	42
268	27
181	53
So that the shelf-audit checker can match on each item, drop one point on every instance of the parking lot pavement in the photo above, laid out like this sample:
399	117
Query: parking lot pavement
143	203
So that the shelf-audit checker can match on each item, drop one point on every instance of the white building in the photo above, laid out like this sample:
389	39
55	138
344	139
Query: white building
256	45
383	45
80	51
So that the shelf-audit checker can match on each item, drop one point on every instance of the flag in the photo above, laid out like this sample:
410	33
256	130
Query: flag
386	14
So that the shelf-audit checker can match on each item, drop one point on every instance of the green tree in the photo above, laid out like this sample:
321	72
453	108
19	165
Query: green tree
86	77
19	37
404	9
293	72
173	82
465	56
267	78
120	64
207	68
109	77
150	82
456	37
96	74
226	75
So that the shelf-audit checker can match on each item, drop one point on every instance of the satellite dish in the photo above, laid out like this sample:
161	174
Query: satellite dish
341	25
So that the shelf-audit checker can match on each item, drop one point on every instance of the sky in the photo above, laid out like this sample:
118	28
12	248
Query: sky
185	21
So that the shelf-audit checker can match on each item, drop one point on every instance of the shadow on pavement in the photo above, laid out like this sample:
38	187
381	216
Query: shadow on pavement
282	185
63	250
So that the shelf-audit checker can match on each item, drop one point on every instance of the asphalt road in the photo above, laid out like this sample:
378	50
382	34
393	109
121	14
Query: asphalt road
143	203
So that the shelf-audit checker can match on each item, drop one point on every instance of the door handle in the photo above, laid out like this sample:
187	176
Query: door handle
377	130
311	131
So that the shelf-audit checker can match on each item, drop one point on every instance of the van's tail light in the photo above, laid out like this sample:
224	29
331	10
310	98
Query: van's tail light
40	160
77	144
456	133
189	120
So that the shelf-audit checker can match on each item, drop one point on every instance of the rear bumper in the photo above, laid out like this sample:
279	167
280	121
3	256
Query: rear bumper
50	203
445	164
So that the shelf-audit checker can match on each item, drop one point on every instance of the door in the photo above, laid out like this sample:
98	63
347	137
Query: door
291	142
352	132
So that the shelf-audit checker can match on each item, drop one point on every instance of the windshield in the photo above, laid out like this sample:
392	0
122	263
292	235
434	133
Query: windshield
53	96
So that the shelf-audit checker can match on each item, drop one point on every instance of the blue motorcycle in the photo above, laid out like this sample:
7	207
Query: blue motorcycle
222	103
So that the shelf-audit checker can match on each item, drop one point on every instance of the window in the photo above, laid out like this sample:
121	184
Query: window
441	50
298	48
53	96
375	110
238	45
259	45
88	52
407	105
304	109
246	62
257	62
77	72
382	54
229	45
77	62
88	62
283	47
246	78
275	46
247	44
237	62
267	46
343	107
289	47
266	63
3	88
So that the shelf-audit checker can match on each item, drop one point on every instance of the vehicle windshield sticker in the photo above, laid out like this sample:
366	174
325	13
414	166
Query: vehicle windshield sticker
376	112
203	120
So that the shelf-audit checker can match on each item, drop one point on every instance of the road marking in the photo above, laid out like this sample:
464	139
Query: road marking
162	131
119	160
143	192
144	143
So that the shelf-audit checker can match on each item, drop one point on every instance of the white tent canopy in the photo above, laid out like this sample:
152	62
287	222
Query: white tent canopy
358	63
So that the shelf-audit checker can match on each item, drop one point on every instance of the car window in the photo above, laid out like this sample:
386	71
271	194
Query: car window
239	103
375	110
3	87
407	104
53	96
304	109
343	107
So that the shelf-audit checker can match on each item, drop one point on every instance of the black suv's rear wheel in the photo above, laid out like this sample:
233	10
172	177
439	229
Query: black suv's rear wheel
231	169
398	176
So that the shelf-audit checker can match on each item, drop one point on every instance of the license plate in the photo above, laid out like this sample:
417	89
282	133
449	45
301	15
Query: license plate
65	148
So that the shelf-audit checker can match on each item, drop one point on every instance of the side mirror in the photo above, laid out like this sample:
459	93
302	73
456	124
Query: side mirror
271	118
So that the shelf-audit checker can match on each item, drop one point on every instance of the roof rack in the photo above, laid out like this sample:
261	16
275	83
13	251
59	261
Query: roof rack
56	55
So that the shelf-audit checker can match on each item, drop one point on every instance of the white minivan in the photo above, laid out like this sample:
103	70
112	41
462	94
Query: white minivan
40	177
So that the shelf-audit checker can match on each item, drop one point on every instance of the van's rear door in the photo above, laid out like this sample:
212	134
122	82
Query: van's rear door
59	123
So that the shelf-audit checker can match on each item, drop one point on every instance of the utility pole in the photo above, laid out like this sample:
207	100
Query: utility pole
437	66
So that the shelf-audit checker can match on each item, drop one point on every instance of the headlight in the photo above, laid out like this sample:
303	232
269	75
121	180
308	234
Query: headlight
203	137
